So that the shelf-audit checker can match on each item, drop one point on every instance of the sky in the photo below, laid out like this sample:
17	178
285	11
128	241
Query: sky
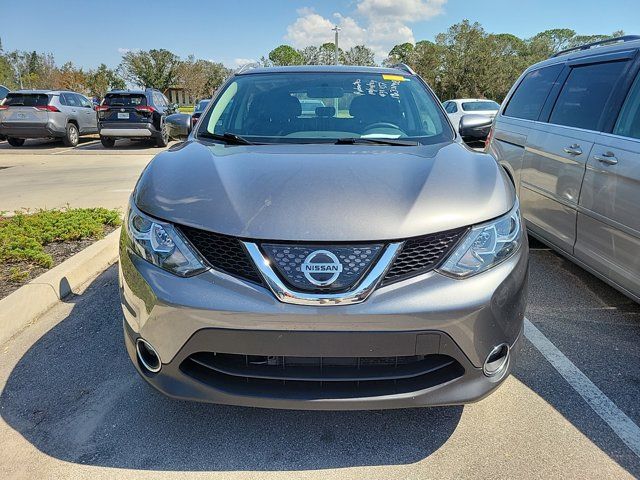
90	32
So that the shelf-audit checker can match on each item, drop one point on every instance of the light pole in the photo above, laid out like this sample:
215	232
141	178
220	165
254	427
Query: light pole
336	29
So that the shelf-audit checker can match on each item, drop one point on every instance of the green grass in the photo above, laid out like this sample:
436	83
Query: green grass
23	236
187	109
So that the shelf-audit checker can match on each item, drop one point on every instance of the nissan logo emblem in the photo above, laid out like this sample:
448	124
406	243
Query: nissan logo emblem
321	268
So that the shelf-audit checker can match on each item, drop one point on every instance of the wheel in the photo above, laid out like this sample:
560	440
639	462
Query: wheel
72	136
107	142
163	139
15	142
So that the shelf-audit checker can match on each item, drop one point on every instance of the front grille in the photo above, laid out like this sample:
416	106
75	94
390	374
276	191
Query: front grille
321	377
222	252
422	254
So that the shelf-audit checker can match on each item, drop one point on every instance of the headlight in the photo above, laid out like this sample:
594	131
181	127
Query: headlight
161	244
486	245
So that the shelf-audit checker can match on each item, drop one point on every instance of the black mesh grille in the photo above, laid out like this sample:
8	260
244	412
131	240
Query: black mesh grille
222	253
422	254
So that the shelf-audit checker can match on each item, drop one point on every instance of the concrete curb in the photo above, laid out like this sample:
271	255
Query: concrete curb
25	305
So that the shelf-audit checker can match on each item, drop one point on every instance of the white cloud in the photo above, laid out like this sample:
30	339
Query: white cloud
122	50
238	62
380	24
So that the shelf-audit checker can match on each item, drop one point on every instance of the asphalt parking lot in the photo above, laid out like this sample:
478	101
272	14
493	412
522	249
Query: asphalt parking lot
72	406
46	174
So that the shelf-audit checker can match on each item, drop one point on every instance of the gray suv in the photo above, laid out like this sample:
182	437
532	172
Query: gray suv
46	114
357	256
568	133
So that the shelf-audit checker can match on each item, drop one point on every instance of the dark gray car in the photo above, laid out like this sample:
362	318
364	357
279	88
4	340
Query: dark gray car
569	134
46	114
357	256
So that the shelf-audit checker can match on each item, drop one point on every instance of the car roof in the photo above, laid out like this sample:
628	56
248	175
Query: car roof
325	69
135	92
472	100
587	52
44	92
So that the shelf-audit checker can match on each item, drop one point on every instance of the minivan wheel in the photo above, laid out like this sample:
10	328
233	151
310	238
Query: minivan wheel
72	136
107	142
15	142
163	139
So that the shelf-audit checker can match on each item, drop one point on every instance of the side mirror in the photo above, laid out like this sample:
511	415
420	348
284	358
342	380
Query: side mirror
178	125
475	128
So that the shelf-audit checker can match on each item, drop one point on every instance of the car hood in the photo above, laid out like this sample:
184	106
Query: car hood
323	192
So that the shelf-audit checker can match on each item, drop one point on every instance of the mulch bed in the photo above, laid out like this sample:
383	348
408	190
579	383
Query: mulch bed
60	251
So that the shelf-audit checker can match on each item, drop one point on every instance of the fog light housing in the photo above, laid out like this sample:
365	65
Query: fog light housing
497	361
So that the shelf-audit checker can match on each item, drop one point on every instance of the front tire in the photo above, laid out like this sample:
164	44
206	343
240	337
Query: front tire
107	142
15	142
72	136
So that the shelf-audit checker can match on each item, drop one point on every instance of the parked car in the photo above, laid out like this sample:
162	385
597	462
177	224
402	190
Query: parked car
367	260
197	111
134	114
459	107
3	93
46	114
568	133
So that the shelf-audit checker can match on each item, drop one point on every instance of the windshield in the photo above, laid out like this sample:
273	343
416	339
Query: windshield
321	107
124	99
479	106
27	99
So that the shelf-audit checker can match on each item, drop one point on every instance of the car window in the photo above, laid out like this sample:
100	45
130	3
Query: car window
3	92
628	124
27	99
479	106
124	99
528	99
84	102
313	107
453	107
158	100
585	93
71	99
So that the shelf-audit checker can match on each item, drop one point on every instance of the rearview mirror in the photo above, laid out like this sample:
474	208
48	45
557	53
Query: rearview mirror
178	125
475	128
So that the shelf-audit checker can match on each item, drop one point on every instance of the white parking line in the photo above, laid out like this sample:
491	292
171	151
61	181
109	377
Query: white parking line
77	147
619	422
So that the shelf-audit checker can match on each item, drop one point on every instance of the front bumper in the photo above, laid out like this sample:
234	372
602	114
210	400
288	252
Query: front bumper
127	130
31	130
431	316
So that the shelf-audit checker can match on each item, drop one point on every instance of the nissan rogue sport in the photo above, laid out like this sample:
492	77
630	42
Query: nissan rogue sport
356	257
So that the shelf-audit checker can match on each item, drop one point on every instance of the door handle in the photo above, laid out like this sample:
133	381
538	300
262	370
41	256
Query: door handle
608	158
573	149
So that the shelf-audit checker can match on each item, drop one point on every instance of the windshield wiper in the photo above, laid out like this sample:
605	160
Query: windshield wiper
226	137
378	141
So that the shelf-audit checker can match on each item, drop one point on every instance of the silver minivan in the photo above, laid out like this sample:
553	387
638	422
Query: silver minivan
46	114
568	133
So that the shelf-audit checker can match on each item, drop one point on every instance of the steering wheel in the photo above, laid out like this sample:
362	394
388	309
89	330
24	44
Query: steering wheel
383	125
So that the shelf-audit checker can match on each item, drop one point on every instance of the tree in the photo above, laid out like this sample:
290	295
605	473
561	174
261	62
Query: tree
101	80
402	53
359	55
285	55
68	77
201	77
153	68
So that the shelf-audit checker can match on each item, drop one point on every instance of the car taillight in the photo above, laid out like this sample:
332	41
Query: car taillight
4	107
47	108
488	140
102	108
145	108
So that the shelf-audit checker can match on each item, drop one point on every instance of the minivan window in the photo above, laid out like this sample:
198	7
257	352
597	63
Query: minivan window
125	99
27	99
528	99
628	124
267	108
479	106
585	93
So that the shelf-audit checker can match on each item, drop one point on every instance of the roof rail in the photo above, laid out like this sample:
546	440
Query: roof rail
405	67
247	66
587	46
